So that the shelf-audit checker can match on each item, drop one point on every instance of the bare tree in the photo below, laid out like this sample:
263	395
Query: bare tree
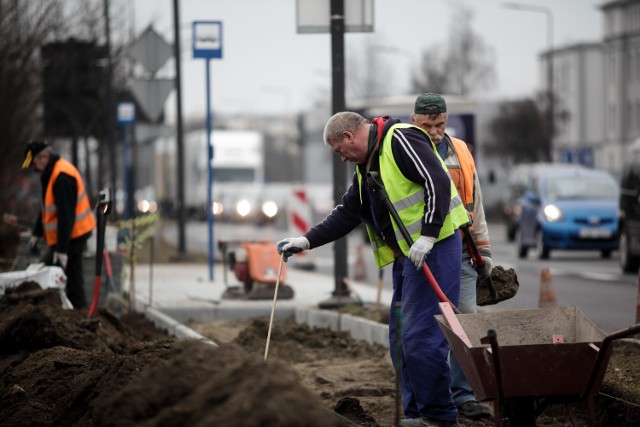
24	26
518	133
465	66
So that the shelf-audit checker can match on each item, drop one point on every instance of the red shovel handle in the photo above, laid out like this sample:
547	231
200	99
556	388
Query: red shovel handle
107	263
96	293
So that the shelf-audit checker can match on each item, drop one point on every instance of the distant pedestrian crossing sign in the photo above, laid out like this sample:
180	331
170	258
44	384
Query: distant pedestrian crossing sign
207	39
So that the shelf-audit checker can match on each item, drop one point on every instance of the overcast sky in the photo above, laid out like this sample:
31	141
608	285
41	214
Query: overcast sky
267	66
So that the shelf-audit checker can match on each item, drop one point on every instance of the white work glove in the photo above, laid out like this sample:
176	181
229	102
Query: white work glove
60	259
292	245
488	266
33	245
420	249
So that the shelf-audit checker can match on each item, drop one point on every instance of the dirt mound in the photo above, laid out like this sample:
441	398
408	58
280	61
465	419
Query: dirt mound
60	368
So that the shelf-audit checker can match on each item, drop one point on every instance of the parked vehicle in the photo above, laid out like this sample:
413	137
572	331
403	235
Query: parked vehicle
520	178
569	208
630	211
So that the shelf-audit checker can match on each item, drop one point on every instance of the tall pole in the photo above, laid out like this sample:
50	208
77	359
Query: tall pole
341	293
209	169
179	132
110	116
338	104
550	98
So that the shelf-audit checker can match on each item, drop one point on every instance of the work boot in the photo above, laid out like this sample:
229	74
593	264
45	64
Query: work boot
474	409
426	422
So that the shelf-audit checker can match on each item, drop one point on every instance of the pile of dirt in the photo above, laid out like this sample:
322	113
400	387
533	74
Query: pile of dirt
59	368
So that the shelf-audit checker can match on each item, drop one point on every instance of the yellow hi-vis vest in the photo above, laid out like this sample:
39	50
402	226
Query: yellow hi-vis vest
407	197
85	220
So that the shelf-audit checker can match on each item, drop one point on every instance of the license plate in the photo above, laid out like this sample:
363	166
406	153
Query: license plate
595	233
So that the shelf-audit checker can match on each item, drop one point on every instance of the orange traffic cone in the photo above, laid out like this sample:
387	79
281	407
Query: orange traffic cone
547	293
360	270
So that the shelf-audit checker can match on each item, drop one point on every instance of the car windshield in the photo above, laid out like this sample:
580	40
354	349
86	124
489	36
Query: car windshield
581	187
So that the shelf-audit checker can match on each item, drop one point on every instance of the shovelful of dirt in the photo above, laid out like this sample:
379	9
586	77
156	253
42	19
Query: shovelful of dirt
504	282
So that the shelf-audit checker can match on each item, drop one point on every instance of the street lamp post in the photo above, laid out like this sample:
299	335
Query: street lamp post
550	98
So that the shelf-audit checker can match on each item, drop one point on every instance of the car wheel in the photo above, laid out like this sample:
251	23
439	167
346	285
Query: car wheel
542	251
605	254
522	249
628	262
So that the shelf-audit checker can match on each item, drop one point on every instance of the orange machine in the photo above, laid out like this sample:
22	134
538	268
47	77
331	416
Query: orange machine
255	264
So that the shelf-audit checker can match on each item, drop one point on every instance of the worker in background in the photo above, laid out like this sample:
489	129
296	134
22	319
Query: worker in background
66	219
427	203
430	114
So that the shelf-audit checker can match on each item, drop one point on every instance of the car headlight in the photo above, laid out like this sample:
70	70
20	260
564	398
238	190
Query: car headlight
552	213
144	206
243	207
270	208
217	208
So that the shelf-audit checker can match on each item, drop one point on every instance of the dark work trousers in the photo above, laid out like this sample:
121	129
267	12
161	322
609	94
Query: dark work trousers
423	362
74	271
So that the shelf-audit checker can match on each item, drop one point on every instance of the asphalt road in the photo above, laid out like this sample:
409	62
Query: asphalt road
580	278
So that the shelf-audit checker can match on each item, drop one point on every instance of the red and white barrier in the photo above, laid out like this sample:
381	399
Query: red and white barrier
299	222
299	212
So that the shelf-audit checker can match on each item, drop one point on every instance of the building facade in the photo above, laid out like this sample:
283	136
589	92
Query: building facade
621	100
578	89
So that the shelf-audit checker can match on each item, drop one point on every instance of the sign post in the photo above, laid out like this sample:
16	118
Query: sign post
126	118
336	17
207	44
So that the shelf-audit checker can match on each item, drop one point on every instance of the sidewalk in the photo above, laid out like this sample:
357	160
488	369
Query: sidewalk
184	292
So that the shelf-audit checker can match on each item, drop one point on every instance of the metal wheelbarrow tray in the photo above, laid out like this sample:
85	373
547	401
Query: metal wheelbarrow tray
544	355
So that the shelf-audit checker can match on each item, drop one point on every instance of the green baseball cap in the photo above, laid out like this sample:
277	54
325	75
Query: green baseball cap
430	103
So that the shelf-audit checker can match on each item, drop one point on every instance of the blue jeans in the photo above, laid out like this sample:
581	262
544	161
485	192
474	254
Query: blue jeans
460	388
425	373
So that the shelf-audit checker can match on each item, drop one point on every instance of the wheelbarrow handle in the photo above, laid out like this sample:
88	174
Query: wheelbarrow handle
602	352
373	178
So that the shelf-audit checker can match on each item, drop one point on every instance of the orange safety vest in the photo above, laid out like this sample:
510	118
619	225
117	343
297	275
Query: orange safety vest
463	177
85	220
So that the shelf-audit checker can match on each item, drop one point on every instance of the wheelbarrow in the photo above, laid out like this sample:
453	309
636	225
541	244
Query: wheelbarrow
524	360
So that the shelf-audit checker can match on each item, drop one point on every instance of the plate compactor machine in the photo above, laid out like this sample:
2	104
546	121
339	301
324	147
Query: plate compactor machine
255	265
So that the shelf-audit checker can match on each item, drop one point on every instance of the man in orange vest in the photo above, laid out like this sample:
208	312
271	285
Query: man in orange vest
430	114
66	219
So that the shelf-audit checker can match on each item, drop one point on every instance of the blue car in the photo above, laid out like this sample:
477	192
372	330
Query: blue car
569	208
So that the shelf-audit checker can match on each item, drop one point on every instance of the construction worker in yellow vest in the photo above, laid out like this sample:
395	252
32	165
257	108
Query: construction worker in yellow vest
66	219
430	114
427	204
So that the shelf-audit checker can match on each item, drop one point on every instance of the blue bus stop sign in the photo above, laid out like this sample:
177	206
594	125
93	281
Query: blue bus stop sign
207	39
126	114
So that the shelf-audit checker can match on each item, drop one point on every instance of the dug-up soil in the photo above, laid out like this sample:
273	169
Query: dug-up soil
60	368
